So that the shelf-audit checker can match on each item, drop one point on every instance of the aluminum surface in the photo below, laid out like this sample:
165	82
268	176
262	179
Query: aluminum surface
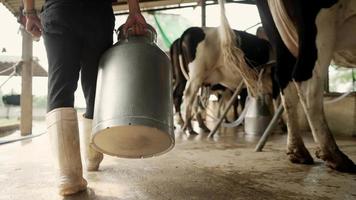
258	115
134	89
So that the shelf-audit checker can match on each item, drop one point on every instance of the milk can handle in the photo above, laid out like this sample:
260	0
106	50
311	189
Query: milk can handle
151	34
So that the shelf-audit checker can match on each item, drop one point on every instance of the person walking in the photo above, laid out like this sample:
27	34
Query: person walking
75	33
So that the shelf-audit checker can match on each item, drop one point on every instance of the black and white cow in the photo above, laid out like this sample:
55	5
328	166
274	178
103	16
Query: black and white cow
180	76
179	83
203	51
306	36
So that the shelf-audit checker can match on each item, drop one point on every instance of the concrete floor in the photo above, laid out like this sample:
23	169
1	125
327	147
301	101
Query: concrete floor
225	167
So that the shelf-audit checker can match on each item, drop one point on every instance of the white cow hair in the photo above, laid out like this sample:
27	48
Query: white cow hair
232	55
210	66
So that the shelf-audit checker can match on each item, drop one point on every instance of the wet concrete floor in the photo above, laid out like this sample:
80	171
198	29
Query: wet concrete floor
225	167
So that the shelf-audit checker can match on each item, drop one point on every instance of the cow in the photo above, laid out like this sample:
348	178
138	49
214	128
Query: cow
179	83
180	76
207	52
307	36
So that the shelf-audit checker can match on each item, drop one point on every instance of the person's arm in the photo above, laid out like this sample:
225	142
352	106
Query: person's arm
134	6
33	23
135	21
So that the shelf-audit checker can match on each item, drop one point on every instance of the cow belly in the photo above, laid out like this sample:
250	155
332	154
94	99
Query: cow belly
345	38
284	25
345	58
343	15
347	9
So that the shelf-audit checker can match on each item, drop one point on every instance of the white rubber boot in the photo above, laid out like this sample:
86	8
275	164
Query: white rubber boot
92	157
62	126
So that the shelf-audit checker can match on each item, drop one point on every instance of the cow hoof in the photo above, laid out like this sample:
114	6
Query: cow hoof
300	156
205	130
184	128
192	132
337	160
180	122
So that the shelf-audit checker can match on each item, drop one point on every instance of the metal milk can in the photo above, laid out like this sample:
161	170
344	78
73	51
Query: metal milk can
133	114
258	115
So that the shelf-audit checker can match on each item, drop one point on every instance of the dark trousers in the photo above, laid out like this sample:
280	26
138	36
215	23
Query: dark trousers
75	34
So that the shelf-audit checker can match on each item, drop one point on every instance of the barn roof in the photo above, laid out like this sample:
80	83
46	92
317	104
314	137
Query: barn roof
10	63
120	6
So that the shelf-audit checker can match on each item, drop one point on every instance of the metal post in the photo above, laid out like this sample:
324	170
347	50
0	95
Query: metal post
354	117
203	13
354	94
229	104
26	84
326	82
269	129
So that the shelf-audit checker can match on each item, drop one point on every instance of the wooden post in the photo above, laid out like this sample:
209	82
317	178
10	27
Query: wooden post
26	84
203	13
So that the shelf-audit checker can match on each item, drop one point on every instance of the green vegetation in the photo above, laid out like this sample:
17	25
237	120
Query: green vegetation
341	79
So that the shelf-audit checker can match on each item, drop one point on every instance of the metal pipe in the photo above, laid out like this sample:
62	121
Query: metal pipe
2	142
269	129
179	6
203	13
229	104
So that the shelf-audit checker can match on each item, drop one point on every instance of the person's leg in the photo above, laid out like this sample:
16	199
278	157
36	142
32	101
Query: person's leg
63	70
92	158
62	128
98	37
97	34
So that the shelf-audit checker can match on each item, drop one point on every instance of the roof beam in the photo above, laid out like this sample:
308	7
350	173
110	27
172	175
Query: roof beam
121	6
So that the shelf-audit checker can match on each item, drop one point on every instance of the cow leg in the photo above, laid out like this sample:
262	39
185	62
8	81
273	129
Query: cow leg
281	123
222	103
178	99
312	102
188	122
198	114
201	123
189	98
190	127
203	104
311	96
296	149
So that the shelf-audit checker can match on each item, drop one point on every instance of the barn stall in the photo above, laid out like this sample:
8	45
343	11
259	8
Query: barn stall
224	166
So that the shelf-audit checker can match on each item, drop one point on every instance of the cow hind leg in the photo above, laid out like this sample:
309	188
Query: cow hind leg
178	95
189	98
201	123
311	95
199	111
188	123
296	150
312	102
190	128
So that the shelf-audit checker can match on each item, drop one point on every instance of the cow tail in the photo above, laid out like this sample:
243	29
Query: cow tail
226	34
233	56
